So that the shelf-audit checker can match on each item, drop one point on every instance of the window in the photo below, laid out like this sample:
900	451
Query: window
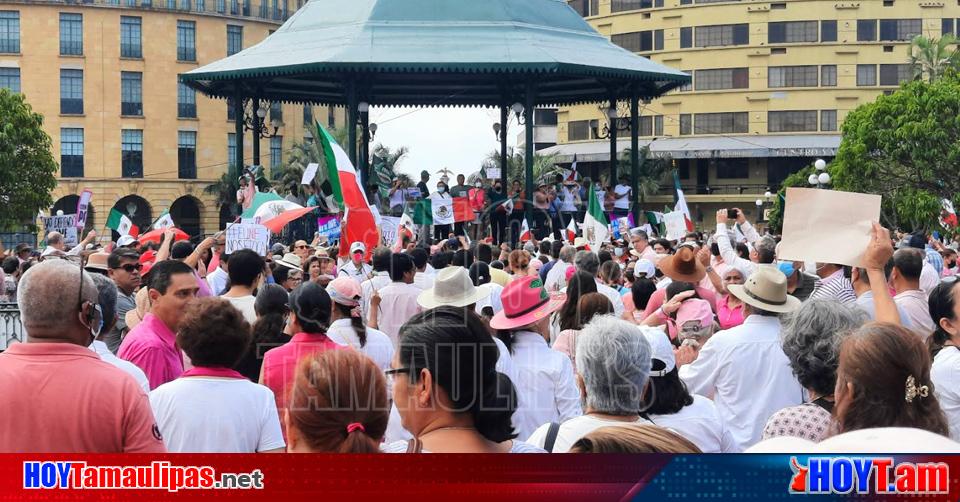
686	38
792	121
131	146
10	79
232	148
866	74
792	76
71	153
235	7
733	168
946	26
686	124
721	123
71	34
895	74
131	93
186	41
276	151
221	6
623	5
586	7
264	10
130	39
187	154
231	112
308	115
828	31
828	120
234	39
778	6
71	92
792	32
828	75
723	34
725	78
186	102
331	118
185	5
689	85
9	31
899	29
578	130
276	111
646	126
866	30
639	41
658	125
545	116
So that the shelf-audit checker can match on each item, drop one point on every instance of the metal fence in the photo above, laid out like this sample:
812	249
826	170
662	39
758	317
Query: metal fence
11	329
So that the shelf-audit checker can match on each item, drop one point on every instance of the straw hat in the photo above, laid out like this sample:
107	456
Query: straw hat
97	261
453	287
525	301
290	260
766	289
683	266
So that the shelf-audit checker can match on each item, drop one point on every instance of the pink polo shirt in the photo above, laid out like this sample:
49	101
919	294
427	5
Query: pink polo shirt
728	317
153	347
656	300
280	363
62	398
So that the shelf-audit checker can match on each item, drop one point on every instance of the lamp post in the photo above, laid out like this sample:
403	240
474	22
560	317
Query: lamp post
254	122
820	179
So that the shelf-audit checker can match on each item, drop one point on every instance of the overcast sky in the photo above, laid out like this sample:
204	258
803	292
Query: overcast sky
456	138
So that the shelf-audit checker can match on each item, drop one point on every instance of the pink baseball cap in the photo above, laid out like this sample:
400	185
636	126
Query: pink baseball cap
345	291
695	309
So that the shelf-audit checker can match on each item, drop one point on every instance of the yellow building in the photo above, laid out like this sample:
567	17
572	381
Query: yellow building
104	76
772	82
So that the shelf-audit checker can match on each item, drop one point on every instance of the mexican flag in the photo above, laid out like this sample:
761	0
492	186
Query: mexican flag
525	234
571	231
121	223
681	205
442	210
164	221
595	222
360	224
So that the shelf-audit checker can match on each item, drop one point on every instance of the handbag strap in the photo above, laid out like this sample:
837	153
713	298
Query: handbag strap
415	446
551	438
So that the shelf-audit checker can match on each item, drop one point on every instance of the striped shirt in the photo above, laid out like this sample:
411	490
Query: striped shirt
835	287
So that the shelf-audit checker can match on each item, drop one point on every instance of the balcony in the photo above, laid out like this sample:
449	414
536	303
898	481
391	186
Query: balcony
239	9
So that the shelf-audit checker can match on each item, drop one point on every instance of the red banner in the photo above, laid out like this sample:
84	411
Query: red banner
462	210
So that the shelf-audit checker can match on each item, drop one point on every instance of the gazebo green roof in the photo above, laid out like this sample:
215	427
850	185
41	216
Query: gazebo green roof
435	52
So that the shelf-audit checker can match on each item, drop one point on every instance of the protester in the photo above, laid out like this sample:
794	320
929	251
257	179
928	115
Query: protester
289	273
447	389
107	300
905	279
219	277
588	262
518	201
347	327
151	345
11	270
382	258
587	307
124	269
338	404
272	307
729	307
633	439
863	290
811	341
681	267
59	396
765	253
640	245
422	279
568	317
519	263
744	368
356	268
301	249
613	365
246	273
396	302
498	212
945	344
191	411
834	284
311	269
799	283
489	306
635	302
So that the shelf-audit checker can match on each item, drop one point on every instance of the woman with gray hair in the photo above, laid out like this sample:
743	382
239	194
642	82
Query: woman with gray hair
811	341
613	365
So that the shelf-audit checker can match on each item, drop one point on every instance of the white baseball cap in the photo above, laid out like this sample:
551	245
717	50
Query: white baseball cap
125	240
661	350
357	246
646	267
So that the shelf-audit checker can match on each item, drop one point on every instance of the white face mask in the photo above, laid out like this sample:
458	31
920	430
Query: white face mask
441	189
618	251
479	185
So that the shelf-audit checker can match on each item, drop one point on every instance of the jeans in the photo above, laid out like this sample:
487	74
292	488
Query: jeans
498	224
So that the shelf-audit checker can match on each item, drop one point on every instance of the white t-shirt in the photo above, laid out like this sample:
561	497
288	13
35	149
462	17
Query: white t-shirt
945	375
515	447
399	197
493	301
245	305
218	281
379	348
701	425
202	414
621	202
572	430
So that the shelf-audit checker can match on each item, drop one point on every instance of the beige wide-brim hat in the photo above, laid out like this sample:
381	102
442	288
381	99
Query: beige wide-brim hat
290	260
766	289
97	261
453	287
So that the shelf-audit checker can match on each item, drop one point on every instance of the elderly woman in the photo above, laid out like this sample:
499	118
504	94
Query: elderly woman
613	365
447	389
729	307
811	340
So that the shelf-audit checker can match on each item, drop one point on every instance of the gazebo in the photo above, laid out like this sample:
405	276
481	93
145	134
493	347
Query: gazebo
510	54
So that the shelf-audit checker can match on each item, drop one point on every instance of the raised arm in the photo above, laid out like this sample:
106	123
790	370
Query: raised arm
875	257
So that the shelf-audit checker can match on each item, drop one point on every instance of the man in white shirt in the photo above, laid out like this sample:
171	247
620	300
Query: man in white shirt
379	280
589	262
905	279
557	277
422	280
744	368
246	269
356	268
398	300
107	299
861	286
621	201
219	278
763	251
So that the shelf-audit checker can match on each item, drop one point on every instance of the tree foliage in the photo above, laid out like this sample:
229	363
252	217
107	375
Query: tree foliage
544	166
27	168
931	58
652	171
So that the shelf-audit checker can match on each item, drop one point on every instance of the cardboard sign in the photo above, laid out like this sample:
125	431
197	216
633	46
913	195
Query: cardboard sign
309	173
827	226
388	230
83	206
66	225
248	236
676	225
329	227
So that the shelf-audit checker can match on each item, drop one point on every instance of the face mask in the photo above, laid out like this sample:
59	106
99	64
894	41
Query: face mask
618	251
497	189
479	185
441	189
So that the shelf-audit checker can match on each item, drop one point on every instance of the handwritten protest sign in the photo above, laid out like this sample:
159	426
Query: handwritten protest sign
492	173
309	173
66	225
676	225
82	207
329	227
827	226
248	236
388	230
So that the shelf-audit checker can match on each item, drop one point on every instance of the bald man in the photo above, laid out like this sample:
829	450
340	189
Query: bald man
66	398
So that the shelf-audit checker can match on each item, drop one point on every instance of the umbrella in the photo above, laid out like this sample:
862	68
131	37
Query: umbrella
156	235
277	223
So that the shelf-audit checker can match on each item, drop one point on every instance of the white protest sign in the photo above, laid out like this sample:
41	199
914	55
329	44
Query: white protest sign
827	226
388	230
66	225
492	173
82	208
248	236
309	173
676	225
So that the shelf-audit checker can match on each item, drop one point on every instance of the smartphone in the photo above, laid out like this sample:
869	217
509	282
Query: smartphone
732	214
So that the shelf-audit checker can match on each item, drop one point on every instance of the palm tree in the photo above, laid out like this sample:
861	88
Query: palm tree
932	57
651	172
383	161
544	166
225	191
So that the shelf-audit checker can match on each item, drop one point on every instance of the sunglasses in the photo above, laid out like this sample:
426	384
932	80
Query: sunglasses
130	267
301	247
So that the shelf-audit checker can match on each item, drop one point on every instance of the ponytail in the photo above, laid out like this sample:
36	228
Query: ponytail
356	321
941	303
492	415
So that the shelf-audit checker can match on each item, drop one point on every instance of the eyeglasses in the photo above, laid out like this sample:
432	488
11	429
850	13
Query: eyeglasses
393	372
130	267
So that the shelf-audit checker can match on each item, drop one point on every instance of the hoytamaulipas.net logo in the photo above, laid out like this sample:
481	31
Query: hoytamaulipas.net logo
159	475
878	475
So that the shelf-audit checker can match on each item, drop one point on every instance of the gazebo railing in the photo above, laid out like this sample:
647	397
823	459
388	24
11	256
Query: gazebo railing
11	329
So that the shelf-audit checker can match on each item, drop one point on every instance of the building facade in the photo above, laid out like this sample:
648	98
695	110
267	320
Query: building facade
772	83
104	76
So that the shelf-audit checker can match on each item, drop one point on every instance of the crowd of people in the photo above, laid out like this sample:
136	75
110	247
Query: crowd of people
708	344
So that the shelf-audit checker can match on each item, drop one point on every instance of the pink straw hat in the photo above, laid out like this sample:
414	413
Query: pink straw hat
525	301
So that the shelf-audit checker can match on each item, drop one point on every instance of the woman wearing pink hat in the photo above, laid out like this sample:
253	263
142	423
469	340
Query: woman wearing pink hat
347	327
545	385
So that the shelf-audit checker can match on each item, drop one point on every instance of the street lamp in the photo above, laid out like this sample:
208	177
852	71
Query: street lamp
496	130
373	131
821	178
518	111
